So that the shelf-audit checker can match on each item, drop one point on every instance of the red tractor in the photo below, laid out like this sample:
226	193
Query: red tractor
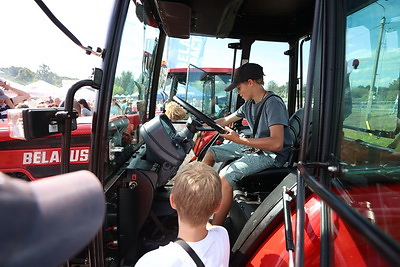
334	202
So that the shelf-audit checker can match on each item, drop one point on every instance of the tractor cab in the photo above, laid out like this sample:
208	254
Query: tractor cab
334	63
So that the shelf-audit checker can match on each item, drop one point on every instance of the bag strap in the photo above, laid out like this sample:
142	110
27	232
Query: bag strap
190	251
260	111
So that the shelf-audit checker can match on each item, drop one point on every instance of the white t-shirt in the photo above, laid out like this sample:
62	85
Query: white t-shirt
213	250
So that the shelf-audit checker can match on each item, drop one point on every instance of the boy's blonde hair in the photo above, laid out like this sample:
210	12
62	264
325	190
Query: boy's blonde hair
197	193
174	111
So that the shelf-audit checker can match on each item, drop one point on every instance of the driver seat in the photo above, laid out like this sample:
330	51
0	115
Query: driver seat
267	179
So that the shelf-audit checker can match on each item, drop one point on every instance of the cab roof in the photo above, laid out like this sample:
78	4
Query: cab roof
268	20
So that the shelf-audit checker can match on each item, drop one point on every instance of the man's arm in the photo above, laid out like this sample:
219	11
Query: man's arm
9	103
272	143
227	120
21	95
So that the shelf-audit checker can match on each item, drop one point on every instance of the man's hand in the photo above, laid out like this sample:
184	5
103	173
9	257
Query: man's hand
231	135
4	84
272	143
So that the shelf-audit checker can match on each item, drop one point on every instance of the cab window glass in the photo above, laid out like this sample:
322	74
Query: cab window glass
135	67
370	113
270	55
371	86
131	87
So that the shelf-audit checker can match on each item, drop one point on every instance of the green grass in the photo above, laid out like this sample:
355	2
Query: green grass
378	120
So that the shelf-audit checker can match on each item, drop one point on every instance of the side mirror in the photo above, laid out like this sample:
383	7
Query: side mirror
35	123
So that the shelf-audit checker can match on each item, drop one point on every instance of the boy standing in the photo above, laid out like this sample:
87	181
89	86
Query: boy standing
196	195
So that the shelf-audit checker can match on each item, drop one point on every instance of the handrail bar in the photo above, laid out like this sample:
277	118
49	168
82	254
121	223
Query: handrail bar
382	243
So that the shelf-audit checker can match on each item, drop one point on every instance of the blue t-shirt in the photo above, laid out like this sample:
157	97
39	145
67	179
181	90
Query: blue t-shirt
273	112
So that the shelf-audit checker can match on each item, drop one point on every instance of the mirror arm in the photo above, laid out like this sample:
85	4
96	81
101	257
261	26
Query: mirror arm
95	82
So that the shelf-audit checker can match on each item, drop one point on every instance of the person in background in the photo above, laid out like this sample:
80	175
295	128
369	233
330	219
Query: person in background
77	107
3	106
129	108
352	64
85	109
41	105
20	97
124	105
7	102
175	112
57	101
115	108
196	195
22	105
52	105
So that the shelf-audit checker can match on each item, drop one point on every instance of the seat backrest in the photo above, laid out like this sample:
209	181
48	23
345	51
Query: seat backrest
257	182
295	128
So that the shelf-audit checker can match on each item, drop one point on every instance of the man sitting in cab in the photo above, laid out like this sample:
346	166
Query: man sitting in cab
269	144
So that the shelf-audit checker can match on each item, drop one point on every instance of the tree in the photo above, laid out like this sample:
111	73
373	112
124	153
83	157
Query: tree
395	86
44	73
12	71
360	92
282	90
279	90
126	81
25	76
272	85
118	90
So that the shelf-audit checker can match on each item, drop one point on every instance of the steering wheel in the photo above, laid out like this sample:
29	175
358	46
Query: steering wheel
200	115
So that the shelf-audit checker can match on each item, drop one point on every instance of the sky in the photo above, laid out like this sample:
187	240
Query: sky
269	55
362	41
31	39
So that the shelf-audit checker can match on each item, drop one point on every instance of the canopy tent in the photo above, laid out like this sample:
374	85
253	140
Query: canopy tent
88	93
42	89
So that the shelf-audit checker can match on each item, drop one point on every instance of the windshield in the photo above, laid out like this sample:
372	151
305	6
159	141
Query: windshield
206	90
203	88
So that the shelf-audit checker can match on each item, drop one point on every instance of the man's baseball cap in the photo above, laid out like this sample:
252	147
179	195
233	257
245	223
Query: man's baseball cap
47	221
2	95
243	73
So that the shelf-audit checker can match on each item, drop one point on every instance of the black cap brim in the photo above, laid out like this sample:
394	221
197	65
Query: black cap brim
231	87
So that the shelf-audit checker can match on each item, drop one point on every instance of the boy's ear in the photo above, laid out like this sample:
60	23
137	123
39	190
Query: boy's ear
218	207
171	201
250	82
